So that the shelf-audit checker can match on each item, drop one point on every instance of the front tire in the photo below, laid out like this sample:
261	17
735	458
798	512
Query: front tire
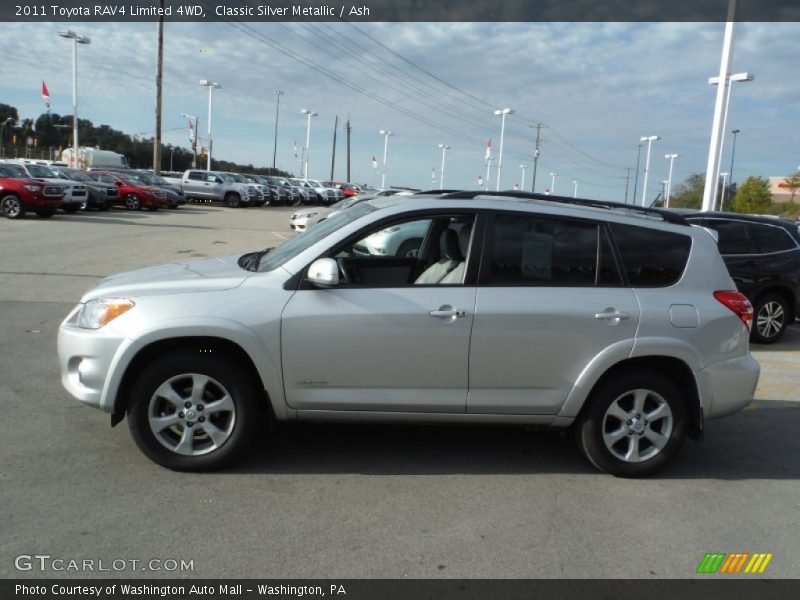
133	202
634	423
192	411
770	318
233	200
11	207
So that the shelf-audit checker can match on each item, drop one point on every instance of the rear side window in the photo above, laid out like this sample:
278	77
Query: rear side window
533	251
734	237
197	176
651	258
771	239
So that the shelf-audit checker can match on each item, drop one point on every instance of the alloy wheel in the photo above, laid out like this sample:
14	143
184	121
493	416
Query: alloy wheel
12	207
770	319
637	425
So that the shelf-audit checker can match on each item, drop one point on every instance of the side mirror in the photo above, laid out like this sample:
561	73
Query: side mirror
324	272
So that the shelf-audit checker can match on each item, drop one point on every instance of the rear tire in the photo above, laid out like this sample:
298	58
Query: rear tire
11	207
190	411
770	318
634	423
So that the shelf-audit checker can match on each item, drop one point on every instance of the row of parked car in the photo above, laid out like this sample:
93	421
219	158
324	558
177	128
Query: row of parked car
68	189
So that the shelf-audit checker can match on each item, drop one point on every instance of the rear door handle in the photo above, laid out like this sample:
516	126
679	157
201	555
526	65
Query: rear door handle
612	314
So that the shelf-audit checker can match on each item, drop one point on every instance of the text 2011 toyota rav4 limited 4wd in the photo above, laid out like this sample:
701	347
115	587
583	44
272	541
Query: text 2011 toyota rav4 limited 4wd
619	323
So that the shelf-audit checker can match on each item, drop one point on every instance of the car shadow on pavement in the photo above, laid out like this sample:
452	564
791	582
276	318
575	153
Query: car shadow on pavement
125	218
760	442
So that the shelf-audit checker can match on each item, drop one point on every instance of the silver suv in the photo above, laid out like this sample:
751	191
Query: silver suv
217	186
619	323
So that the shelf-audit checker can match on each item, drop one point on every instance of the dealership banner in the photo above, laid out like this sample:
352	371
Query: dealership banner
398	10
415	589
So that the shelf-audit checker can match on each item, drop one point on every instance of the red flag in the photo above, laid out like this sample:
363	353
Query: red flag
45	95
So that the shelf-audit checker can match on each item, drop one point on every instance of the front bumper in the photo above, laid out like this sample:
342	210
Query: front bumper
730	385
86	358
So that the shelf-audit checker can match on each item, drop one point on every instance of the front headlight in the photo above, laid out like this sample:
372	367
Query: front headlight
33	188
101	311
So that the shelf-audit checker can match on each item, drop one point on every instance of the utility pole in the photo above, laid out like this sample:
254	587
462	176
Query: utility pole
333	154
159	80
348	149
536	156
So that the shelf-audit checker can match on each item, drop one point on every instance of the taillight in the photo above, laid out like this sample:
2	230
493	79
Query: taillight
739	304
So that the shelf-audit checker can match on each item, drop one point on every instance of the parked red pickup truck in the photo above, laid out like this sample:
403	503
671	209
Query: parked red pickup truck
18	195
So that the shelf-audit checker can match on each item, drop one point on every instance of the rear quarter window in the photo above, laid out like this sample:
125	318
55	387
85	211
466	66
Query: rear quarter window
771	239
734	236
651	257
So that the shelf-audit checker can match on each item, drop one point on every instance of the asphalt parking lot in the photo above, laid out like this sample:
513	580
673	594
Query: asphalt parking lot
339	501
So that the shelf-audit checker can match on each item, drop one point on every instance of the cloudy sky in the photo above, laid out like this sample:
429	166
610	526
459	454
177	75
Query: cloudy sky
597	88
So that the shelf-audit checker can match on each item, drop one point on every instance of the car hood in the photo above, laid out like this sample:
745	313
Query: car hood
199	275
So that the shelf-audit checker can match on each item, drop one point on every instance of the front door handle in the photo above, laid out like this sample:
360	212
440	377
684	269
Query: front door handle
448	312
611	313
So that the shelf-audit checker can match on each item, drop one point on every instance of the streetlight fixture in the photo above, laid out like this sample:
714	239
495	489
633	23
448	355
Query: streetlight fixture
444	148
211	85
715	154
671	158
501	113
193	140
76	39
522	181
553	176
309	114
385	133
278	94
649	139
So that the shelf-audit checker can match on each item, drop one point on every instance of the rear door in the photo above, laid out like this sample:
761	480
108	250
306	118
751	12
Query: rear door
550	298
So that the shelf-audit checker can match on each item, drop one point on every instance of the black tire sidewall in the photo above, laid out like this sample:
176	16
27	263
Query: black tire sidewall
755	336
589	429
12	197
130	204
239	385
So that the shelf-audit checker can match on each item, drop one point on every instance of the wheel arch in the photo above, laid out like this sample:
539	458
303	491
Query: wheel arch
786	292
671	367
200	344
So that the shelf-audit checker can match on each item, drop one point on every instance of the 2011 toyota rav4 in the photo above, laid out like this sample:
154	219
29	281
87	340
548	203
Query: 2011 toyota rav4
620	323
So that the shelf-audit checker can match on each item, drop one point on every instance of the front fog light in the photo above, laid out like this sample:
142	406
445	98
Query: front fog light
101	311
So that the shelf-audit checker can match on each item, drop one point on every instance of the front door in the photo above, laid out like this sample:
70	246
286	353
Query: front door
380	341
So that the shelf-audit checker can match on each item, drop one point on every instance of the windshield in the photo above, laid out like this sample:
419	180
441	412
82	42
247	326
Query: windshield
132	179
302	241
9	171
41	171
75	175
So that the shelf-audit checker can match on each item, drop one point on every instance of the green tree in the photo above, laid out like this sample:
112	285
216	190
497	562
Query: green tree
753	196
689	194
793	183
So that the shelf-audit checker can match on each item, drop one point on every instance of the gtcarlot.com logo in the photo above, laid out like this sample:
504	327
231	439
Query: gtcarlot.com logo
734	563
46	562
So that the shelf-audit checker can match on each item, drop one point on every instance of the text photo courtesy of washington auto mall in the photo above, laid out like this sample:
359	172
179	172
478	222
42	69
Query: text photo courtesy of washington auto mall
400	300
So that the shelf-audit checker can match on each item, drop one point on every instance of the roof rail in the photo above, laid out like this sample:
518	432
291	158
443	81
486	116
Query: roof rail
666	215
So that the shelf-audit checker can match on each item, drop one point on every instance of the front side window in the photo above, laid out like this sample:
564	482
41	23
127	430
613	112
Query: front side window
540	251
651	257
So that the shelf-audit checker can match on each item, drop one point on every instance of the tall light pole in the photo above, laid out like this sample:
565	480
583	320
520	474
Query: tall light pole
501	113
385	133
76	39
309	114
553	176
733	152
724	185
523	168
717	129
727	100
193	139
211	85
671	158
444	148
649	139
278	94
574	188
